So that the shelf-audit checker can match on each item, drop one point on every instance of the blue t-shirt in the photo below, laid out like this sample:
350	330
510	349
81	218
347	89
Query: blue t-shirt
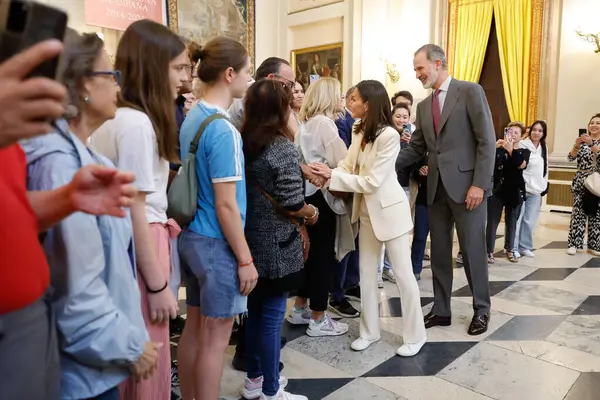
219	159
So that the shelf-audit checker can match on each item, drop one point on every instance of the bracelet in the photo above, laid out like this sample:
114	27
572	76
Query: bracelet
159	290
315	213
246	264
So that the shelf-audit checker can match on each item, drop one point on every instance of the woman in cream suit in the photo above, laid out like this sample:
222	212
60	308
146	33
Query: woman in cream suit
384	212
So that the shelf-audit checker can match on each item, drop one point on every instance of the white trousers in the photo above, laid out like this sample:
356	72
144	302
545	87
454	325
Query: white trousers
399	255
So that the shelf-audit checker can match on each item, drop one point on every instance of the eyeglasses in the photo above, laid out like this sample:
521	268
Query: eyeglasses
287	82
115	74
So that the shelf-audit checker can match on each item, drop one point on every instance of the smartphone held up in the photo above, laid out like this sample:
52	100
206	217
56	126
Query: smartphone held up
24	23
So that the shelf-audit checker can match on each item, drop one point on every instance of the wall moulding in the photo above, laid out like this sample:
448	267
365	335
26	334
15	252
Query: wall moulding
296	6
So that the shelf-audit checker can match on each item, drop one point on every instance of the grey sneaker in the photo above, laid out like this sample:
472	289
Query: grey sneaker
327	327
299	317
389	276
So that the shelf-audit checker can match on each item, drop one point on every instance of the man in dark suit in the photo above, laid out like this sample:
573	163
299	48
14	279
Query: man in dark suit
454	124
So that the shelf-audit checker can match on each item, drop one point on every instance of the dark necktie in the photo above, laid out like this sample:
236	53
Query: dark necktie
436	111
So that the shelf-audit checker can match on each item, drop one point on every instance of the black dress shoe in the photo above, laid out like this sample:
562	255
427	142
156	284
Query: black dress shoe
432	320
479	324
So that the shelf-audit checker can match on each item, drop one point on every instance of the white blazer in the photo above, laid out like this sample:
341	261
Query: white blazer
376	180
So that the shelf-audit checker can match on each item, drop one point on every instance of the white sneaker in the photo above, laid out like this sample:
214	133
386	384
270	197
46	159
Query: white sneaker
527	253
411	349
594	253
327	327
253	387
361	344
299	317
571	251
283	395
389	276
380	284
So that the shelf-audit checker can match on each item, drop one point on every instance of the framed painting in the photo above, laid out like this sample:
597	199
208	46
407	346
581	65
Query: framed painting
313	63
295	6
202	20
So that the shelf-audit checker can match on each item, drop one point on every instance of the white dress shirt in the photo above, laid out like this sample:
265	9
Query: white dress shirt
443	92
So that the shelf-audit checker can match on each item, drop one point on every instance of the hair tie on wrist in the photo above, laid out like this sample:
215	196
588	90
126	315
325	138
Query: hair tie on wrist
159	290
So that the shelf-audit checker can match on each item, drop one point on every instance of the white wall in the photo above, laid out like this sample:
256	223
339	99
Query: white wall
578	95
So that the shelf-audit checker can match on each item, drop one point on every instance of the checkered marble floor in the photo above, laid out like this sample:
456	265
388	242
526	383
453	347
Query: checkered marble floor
543	342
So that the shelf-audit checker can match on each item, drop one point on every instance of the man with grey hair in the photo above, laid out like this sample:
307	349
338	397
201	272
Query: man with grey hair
454	124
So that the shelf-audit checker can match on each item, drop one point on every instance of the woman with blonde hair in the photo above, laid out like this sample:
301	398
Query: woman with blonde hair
319	142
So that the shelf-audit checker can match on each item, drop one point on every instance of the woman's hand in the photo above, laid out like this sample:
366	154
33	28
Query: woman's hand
405	137
424	170
508	145
311	220
310	176
587	139
163	306
578	142
321	169
499	143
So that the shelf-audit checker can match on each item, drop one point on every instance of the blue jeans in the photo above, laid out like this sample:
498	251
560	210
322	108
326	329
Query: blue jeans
266	313
420	234
111	394
530	211
211	270
345	275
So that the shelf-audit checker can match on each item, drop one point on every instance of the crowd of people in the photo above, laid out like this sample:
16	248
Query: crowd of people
293	191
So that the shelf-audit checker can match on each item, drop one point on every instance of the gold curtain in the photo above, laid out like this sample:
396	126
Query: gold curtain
469	33
513	25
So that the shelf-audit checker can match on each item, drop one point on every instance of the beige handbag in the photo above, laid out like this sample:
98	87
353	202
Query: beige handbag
592	182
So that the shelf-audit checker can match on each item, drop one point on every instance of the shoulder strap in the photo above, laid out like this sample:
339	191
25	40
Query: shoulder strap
277	206
203	126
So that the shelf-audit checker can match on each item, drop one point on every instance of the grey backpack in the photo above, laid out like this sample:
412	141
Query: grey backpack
183	193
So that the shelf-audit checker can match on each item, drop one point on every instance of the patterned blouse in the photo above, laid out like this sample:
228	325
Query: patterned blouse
587	163
274	240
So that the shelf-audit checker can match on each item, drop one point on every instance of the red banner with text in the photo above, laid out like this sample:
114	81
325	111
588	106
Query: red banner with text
119	14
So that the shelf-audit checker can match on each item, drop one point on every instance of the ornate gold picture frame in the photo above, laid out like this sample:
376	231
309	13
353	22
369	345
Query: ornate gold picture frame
202	20
320	61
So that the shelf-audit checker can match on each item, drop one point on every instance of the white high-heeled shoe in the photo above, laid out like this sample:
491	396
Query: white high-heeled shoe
411	349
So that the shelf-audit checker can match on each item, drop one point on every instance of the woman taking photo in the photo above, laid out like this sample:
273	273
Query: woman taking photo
142	138
96	298
369	171
276	207
509	190
585	152
319	142
536	186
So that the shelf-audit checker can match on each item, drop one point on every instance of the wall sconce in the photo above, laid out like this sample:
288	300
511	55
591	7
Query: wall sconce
391	71
591	38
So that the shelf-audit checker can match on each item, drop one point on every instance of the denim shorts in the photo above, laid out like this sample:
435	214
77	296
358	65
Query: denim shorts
212	281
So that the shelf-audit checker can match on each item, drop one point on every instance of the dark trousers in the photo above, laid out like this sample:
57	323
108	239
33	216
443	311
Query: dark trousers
321	263
112	394
420	234
444	213
263	329
345	275
511	216
29	360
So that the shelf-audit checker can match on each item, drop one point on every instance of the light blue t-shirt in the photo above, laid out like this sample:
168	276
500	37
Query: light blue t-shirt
219	159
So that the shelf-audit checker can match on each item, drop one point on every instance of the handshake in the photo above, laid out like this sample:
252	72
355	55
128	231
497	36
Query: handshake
317	173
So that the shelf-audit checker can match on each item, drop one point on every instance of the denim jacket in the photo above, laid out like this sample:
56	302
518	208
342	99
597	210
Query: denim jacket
96	298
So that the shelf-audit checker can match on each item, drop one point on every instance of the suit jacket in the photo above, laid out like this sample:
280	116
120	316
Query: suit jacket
345	124
462	154
375	180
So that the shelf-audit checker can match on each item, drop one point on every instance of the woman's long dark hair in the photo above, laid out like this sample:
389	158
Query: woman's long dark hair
143	56
542	142
379	109
266	113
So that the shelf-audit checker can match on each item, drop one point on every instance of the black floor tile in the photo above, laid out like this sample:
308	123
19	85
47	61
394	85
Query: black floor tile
528	327
549	274
591	306
495	288
316	388
392	307
556	245
433	358
586	387
593	263
293	332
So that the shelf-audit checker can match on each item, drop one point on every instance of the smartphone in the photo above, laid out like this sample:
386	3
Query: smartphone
582	132
406	128
506	133
24	23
